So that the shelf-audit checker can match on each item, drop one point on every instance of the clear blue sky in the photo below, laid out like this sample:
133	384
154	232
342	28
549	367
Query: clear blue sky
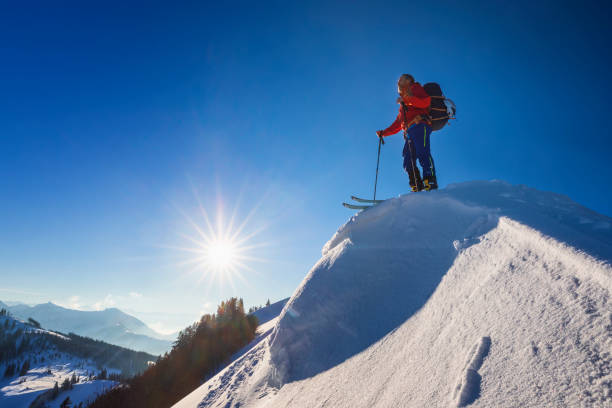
117	117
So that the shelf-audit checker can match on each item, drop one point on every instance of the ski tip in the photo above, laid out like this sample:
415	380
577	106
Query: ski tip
356	207
366	200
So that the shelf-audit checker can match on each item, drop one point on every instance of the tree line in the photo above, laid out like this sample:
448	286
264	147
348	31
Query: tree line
198	353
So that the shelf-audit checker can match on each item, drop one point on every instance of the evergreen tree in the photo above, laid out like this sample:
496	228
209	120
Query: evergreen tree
24	368
34	323
10	370
55	392
66	403
268	302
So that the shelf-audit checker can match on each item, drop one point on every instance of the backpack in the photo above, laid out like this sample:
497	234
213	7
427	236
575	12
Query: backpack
442	109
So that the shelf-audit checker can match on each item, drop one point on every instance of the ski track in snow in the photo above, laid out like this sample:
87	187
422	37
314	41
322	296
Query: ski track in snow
468	389
482	294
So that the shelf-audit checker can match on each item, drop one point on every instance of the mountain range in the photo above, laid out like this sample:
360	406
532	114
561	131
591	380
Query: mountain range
109	325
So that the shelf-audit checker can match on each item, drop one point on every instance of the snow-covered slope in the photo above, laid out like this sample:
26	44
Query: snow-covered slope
265	314
109	325
33	359
483	293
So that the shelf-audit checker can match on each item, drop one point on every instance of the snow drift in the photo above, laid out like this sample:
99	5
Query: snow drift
483	293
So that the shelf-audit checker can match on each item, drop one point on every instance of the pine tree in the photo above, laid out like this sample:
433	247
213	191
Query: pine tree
66	384
10	370
55	392
66	403
33	323
24	368
268	302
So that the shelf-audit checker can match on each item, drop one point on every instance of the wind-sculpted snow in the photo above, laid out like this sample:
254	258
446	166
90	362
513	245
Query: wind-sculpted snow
482	294
376	272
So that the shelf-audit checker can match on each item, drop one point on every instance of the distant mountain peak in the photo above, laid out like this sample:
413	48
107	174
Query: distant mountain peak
111	325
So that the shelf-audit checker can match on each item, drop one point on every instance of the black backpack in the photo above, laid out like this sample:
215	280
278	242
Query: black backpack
442	109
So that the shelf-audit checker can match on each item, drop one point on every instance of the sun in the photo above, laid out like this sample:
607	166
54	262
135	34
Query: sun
222	250
221	254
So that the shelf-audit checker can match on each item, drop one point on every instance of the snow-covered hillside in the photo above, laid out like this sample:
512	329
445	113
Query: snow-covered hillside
33	360
483	294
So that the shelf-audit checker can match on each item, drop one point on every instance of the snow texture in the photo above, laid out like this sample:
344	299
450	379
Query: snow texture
483	294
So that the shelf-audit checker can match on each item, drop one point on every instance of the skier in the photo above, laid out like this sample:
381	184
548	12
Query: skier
414	119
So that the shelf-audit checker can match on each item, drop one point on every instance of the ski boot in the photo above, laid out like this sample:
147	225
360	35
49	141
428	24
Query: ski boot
430	183
416	185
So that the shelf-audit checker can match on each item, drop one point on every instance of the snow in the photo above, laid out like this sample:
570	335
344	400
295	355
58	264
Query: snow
83	392
48	366
268	313
242	363
482	294
19	392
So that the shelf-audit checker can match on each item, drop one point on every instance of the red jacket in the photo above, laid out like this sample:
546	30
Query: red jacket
417	104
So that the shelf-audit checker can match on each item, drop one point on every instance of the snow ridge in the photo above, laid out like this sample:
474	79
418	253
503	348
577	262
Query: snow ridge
482	294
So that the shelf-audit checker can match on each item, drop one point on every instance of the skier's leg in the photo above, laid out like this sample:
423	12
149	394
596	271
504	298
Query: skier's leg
411	167
422	137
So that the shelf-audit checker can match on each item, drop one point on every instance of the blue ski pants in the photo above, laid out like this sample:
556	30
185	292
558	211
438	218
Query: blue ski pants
419	138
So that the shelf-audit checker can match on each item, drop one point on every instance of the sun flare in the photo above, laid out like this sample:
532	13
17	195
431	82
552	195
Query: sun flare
223	250
221	254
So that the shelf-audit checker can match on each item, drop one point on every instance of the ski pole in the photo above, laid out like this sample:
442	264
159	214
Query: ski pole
380	141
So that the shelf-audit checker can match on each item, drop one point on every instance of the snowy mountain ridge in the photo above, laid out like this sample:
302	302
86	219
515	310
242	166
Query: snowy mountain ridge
482	294
109	325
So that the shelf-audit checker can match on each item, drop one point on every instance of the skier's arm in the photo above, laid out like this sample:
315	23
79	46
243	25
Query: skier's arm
395	127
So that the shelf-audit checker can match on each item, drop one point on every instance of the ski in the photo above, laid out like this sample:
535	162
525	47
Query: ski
365	200
357	207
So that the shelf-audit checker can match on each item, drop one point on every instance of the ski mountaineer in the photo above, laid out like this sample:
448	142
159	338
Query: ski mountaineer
414	119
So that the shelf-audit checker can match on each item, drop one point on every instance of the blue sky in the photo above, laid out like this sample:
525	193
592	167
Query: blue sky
119	120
